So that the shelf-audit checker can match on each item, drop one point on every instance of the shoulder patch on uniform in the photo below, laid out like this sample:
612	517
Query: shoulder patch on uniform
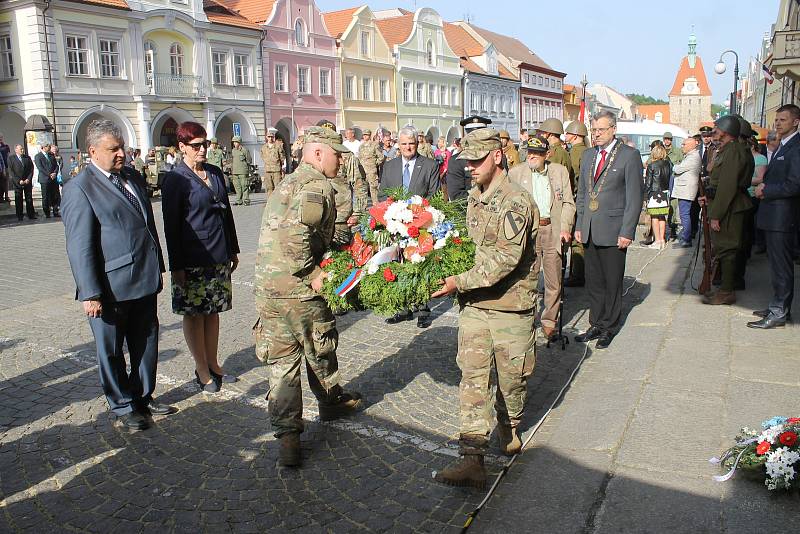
513	225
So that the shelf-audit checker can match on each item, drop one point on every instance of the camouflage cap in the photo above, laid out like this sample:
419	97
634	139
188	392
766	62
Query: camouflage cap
326	136
212	140
366	132
478	143
537	144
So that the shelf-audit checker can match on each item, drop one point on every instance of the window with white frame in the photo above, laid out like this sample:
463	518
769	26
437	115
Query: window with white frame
431	93
149	60
325	82
303	79
300	33
493	104
429	54
420	93
241	69
281	81
559	84
77	55
366	89
219	64
364	36
384	90
527	78
109	58
406	91
350	87
443	95
6	57
482	98
541	80
453	96
473	101
176	59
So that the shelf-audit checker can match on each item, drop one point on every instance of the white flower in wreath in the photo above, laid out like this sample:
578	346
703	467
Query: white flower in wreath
440	243
771	434
438	216
417	258
415	199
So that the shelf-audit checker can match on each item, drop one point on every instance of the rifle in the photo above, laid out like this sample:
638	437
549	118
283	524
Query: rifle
709	263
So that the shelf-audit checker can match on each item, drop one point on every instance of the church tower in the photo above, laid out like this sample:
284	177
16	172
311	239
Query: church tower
690	98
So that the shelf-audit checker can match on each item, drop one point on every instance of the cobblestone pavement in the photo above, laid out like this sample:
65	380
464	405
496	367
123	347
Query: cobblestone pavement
212	466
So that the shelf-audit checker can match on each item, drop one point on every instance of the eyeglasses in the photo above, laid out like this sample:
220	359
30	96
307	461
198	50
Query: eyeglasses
600	130
198	145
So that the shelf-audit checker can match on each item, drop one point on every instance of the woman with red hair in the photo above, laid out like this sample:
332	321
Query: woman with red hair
203	251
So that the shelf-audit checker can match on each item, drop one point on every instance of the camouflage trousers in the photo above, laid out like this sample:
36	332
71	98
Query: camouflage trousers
506	340
289	333
241	184
373	181
271	181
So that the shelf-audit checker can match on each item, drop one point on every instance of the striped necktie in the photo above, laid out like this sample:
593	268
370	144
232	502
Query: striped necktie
115	179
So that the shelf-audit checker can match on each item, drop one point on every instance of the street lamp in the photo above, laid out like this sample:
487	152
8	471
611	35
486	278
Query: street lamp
720	68
296	101
584	83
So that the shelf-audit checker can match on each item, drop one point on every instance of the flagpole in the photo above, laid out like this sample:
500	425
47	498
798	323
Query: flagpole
763	104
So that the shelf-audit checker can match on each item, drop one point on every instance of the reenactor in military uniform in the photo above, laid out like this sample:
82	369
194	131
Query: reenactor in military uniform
274	158
423	147
728	202
240	171
138	162
674	153
296	325
497	299
553	130
214	154
576	134
371	157
509	151
749	219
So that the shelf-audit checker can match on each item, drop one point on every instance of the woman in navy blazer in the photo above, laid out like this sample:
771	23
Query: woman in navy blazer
203	251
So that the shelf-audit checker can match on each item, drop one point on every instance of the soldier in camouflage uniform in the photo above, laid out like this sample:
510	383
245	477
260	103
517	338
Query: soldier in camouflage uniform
296	325
215	156
423	147
274	158
371	157
240	171
497	299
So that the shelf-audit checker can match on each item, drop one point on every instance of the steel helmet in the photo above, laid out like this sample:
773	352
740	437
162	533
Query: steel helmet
745	129
236	139
728	124
577	128
552	126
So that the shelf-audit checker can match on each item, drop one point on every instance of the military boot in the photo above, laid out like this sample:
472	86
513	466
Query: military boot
289	453
467	472
720	297
510	443
348	404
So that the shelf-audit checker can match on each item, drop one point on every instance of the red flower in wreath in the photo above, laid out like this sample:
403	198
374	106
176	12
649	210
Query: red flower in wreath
372	224
324	263
793	420
457	240
413	231
388	275
425	202
350	265
788	438
763	447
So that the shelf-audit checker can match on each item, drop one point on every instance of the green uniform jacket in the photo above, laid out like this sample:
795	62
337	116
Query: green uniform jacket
732	173
273	156
503	222
575	155
675	154
371	156
296	230
512	156
425	150
214	157
240	160
559	154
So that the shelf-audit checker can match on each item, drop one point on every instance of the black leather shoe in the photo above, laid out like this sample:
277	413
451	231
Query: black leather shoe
400	317
424	322
647	242
765	313
211	387
156	408
592	333
574	282
223	378
134	421
604	340
768	322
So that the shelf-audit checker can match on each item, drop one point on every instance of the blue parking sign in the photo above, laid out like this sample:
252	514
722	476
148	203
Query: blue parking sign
237	129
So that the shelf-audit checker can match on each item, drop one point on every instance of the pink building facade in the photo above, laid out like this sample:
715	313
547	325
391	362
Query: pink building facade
300	69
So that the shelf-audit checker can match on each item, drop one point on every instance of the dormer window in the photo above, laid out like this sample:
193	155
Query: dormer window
364	44
300	33
429	54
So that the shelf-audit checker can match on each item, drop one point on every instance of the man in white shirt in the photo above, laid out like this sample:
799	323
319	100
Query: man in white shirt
351	142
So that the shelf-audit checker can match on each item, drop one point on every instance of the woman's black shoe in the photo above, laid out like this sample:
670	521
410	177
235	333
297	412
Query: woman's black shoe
211	387
226	379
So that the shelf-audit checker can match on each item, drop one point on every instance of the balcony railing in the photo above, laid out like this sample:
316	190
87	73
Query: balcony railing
176	85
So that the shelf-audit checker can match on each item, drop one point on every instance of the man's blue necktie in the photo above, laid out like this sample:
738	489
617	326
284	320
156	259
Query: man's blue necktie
127	194
406	177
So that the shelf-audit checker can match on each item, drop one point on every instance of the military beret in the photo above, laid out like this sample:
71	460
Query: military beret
326	136
478	143
537	144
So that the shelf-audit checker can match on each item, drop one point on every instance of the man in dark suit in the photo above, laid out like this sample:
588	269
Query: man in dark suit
608	204
116	260
20	168
48	171
419	176
778	216
459	181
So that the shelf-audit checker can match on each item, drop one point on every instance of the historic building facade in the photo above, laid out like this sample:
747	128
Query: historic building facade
368	95
147	66
690	97
428	74
489	88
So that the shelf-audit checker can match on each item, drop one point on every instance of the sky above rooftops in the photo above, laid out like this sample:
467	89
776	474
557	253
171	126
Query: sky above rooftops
636	50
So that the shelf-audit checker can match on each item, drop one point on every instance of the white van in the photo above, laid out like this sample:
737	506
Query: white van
644	132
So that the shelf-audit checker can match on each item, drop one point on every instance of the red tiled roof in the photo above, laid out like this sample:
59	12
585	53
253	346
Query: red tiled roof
396	29
257	11
119	4
511	47
569	88
338	21
648	111
461	42
686	71
219	13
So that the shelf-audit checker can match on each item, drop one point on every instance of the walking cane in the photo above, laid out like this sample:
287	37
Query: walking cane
561	336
